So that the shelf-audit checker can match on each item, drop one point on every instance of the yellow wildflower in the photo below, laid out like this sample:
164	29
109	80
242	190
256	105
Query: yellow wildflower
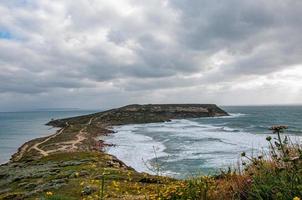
82	183
49	193
296	198
115	184
77	174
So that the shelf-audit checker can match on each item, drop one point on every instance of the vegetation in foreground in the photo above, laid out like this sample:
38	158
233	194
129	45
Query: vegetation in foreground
274	175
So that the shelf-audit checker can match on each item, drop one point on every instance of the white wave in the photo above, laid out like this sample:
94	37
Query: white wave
228	129
180	140
134	149
232	115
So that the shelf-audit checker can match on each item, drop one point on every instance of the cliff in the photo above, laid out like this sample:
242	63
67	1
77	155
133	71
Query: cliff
145	114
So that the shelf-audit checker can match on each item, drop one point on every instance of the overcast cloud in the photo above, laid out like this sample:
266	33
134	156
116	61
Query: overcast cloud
101	54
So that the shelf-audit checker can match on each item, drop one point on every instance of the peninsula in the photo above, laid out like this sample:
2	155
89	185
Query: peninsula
72	162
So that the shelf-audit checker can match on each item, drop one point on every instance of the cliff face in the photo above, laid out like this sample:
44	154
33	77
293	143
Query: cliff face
145	114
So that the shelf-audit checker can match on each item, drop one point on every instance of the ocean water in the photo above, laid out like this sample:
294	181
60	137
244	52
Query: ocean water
189	147
17	128
181	147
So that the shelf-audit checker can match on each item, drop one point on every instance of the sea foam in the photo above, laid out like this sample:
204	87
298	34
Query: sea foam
134	149
183	146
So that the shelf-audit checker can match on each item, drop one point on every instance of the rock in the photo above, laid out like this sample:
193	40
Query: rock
59	181
70	163
83	173
22	184
2	176
88	190
5	191
98	177
149	180
13	197
31	186
55	170
49	186
18	178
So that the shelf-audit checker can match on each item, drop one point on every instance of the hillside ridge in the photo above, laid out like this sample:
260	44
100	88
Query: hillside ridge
147	113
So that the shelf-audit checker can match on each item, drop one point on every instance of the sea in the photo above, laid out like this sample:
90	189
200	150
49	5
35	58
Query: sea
179	148
203	146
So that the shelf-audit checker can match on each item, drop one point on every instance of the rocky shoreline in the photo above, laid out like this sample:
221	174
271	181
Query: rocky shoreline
77	137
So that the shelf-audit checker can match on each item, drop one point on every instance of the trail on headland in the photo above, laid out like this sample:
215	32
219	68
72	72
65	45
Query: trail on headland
71	145
41	151
80	133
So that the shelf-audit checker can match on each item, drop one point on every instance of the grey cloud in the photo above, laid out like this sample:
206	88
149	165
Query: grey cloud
133	46
262	37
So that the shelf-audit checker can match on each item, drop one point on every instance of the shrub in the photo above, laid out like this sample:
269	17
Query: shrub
279	175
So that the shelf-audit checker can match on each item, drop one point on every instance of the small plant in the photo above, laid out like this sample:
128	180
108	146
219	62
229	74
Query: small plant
279	174
102	187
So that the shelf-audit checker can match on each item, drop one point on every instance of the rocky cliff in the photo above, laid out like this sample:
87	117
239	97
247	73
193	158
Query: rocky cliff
145	114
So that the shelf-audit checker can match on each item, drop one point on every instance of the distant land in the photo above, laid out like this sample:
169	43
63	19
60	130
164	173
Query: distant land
56	109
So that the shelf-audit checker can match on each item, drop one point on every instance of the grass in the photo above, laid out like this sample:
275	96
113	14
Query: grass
85	175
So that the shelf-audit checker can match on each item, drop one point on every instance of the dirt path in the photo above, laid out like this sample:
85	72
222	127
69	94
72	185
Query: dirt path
79	138
62	146
36	146
20	153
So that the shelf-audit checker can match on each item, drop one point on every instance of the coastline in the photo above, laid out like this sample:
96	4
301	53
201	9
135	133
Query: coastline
76	144
81	133
18	128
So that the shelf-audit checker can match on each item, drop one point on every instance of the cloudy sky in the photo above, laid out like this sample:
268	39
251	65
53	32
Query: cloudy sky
101	54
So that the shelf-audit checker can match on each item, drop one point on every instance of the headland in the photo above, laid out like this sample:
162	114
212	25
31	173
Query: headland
66	161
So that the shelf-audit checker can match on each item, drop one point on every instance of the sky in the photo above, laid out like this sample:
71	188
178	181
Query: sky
96	54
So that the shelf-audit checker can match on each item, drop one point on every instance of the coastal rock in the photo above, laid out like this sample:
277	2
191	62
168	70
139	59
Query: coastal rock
134	114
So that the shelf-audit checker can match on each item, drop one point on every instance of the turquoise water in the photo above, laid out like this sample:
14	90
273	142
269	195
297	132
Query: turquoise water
204	145
19	127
